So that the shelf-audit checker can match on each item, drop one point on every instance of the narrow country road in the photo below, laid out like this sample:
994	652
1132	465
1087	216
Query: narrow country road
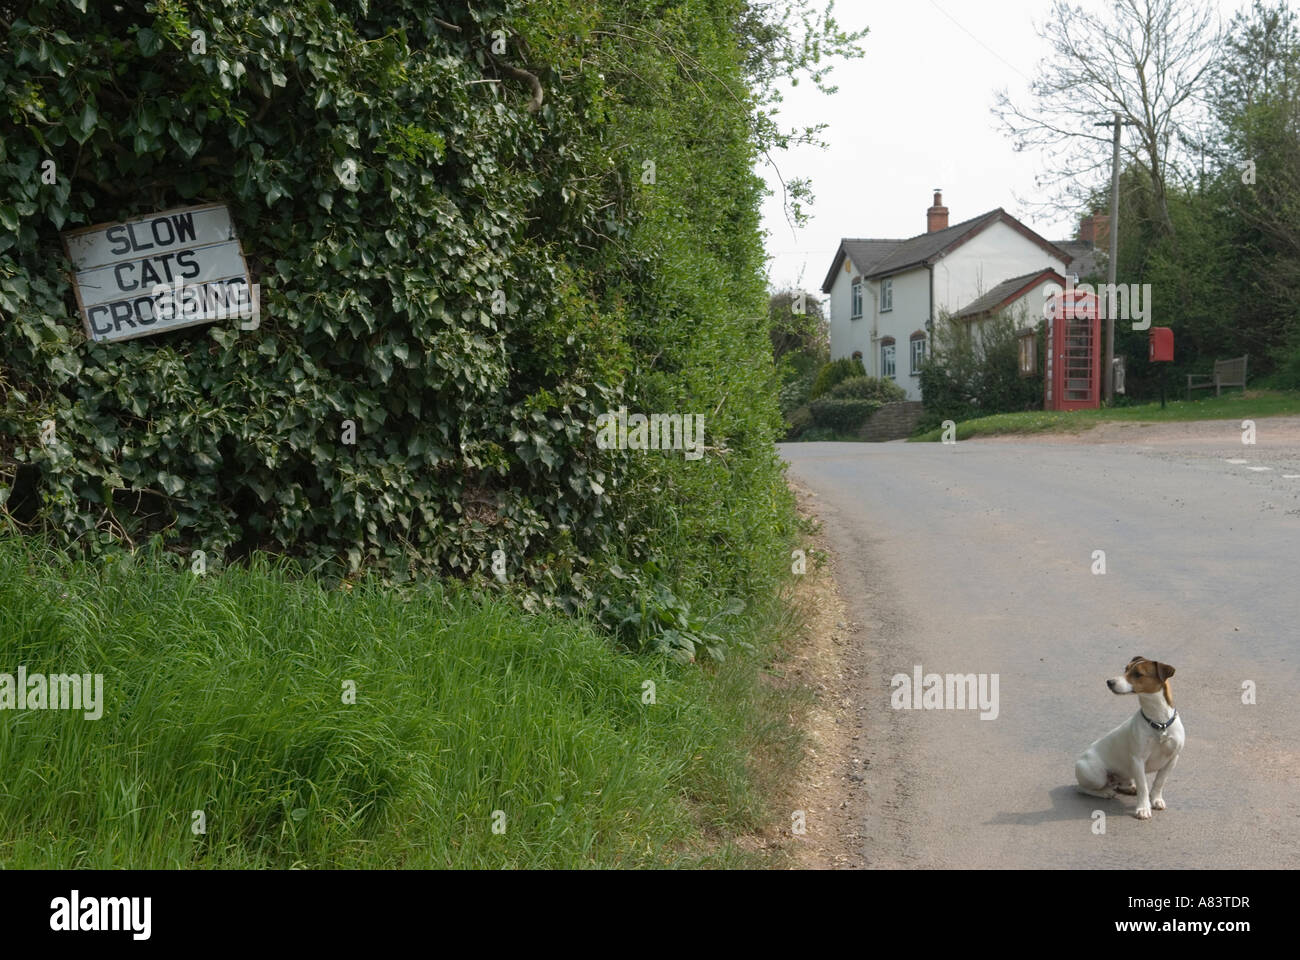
978	558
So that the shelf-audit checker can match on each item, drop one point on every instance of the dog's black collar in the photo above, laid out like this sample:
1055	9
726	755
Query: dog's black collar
1160	726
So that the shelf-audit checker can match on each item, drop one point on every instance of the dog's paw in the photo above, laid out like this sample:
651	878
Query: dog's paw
1142	813
1157	804
1128	789
1107	794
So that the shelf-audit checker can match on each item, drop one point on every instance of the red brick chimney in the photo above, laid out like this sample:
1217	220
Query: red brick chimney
936	218
1095	228
1086	228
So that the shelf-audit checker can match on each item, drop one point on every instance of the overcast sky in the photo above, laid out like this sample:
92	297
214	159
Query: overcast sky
911	115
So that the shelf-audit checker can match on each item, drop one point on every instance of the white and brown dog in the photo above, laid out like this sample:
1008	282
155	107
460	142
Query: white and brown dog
1148	742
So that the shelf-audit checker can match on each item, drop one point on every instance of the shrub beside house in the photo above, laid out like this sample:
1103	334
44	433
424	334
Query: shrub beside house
976	370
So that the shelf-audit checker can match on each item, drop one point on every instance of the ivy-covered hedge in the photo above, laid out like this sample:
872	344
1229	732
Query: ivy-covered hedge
448	211
376	286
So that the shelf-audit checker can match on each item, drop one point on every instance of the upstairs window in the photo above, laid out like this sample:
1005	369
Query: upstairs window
855	300
886	294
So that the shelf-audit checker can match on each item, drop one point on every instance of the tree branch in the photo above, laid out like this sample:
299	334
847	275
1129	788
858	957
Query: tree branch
535	103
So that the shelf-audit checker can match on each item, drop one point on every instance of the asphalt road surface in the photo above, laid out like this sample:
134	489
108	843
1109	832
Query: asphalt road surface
978	558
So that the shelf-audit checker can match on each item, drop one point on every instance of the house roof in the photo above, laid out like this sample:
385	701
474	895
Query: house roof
1008	291
863	252
883	257
1083	257
917	250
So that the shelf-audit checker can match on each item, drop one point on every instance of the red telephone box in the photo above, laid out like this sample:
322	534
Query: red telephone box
1072	378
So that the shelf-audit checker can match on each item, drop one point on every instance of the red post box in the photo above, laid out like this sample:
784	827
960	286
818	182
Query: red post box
1161	341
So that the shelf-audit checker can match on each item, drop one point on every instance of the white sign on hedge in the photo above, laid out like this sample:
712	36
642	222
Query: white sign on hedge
162	271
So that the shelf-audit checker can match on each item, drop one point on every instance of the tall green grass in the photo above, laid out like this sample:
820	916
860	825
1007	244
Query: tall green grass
224	694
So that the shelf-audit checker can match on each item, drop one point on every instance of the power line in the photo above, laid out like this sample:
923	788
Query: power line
978	40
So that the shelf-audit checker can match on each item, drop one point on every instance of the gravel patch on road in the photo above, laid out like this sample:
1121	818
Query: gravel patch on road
1270	433
1275	452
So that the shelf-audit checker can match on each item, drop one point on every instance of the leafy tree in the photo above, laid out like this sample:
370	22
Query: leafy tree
1255	142
1225	278
797	325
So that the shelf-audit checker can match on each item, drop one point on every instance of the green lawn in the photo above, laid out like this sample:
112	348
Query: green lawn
225	694
1252	404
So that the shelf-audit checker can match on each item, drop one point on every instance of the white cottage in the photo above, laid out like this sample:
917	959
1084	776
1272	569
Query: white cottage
885	294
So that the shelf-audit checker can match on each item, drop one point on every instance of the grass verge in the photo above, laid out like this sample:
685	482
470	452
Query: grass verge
224	695
1252	403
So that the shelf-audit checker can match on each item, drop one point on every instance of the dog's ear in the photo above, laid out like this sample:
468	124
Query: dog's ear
1163	671
1135	660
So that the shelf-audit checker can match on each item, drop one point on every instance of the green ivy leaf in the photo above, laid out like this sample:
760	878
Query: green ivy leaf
84	124
188	140
149	41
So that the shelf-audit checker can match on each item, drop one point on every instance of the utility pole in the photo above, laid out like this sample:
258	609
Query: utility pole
1108	369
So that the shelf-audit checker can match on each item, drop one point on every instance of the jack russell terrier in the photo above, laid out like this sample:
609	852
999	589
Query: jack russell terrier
1148	742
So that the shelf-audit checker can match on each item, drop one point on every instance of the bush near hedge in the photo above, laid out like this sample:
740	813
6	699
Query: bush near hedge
833	372
794	394
799	420
844	415
867	388
845	405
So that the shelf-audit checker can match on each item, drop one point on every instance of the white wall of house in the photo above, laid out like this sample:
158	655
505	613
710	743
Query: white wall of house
908	314
996	253
911	310
844	331
1025	311
1028	309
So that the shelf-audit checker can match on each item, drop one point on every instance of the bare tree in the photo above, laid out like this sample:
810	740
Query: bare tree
1145	60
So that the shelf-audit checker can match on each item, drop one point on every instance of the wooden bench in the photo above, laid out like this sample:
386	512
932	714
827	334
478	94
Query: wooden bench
1227	373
